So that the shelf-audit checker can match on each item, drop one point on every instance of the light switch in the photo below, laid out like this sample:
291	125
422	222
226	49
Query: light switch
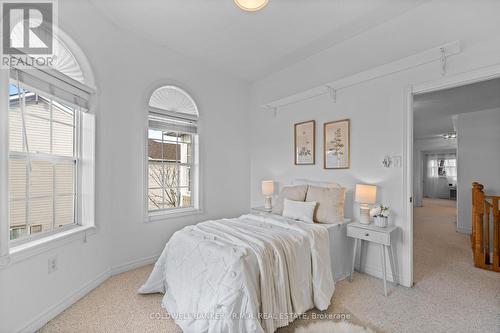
396	161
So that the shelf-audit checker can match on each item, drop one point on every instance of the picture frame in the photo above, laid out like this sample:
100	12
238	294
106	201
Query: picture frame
336	144
305	143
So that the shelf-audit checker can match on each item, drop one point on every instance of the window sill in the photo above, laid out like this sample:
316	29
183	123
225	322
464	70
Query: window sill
166	215
30	249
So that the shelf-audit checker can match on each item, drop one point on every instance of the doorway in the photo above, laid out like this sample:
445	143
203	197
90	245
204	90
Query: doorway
450	126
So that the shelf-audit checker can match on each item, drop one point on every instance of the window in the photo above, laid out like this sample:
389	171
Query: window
442	166
172	159
43	162
47	132
447	167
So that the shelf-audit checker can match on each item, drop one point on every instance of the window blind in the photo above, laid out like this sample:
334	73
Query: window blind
169	123
54	84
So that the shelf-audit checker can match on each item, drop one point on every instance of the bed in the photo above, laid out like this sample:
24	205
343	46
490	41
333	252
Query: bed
341	250
255	273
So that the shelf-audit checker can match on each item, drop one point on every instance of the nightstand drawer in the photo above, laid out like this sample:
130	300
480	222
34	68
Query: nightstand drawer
369	235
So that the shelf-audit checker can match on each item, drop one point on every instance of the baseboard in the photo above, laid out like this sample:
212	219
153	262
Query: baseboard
53	311
340	277
133	264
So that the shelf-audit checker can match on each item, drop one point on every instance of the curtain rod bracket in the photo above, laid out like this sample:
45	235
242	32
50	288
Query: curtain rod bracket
274	109
444	60
333	93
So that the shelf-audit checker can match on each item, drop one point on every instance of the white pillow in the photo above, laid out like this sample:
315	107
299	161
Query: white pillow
298	210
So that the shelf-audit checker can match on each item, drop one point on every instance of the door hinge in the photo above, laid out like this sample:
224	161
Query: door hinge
411	199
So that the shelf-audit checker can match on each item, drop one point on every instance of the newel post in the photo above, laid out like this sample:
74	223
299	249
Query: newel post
478	214
496	236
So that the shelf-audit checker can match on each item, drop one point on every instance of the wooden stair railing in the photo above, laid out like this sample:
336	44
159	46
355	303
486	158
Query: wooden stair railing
485	214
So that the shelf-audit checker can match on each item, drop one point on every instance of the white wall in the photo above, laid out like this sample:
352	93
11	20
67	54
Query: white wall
126	70
376	108
420	146
479	159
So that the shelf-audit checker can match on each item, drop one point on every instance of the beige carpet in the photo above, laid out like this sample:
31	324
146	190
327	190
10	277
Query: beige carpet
450	295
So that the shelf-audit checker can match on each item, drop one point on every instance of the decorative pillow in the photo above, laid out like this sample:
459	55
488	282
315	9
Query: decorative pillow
299	210
295	193
330	208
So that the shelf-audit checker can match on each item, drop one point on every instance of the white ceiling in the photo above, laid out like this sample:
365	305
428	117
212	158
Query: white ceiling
434	111
250	46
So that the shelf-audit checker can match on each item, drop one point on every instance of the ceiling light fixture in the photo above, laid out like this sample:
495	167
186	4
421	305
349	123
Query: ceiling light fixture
251	5
451	135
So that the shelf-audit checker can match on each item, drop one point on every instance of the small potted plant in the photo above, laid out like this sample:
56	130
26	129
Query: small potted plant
381	216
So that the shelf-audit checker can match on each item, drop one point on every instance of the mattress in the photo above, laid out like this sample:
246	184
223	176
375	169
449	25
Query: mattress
341	250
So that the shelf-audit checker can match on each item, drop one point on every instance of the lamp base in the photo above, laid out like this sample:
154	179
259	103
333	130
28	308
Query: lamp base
364	214
268	203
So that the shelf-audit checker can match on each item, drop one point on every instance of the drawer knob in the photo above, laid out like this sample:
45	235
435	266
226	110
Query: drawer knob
367	234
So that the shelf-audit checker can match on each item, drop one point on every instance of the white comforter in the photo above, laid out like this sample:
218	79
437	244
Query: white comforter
250	274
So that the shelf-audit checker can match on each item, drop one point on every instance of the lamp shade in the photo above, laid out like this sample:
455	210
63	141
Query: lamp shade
251	5
366	194
267	187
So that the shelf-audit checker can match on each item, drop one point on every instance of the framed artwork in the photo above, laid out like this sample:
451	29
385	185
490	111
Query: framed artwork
305	134
336	144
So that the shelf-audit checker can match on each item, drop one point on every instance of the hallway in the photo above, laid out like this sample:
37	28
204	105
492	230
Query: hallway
443	266
437	244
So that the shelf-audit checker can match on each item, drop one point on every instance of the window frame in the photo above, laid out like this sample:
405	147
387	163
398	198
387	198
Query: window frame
54	159
12	251
195	178
195	208
445	168
178	165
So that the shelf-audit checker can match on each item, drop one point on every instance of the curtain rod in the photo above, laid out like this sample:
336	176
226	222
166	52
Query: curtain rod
440	53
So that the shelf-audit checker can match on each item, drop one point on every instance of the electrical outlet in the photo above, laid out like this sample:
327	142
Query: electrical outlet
52	264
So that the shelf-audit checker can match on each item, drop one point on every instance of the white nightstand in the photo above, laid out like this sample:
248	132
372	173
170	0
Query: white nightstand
374	234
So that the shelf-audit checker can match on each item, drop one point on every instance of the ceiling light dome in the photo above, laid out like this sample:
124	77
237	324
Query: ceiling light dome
251	5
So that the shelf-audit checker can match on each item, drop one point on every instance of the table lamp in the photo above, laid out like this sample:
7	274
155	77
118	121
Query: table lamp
267	191
365	195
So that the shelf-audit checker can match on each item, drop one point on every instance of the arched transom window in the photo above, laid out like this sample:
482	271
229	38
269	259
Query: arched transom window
173	99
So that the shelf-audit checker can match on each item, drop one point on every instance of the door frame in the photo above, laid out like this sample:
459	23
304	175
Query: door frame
453	81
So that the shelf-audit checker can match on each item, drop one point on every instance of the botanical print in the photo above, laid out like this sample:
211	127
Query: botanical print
304	142
336	145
